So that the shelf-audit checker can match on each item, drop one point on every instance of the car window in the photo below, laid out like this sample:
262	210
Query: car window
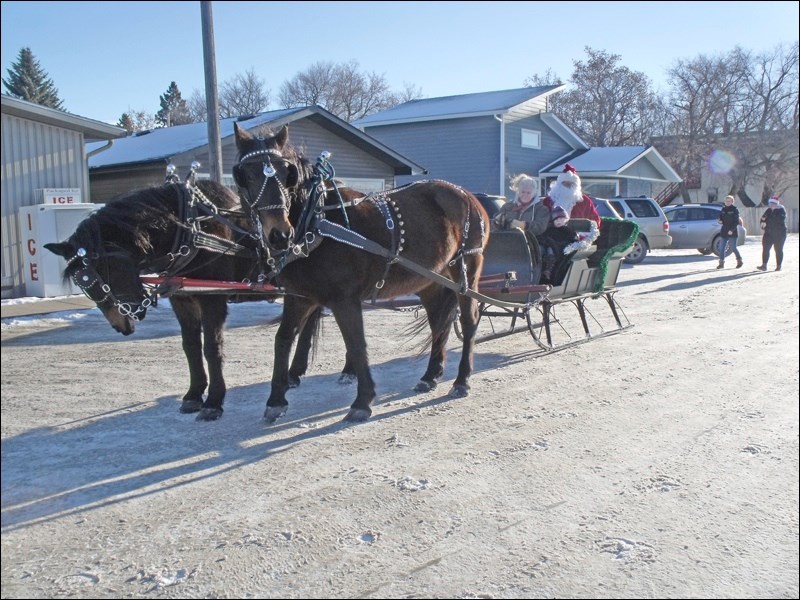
710	214
618	207
679	214
642	208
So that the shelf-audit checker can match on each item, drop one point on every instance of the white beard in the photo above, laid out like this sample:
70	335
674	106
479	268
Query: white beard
565	197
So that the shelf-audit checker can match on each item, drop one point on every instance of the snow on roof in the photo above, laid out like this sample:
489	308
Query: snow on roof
602	160
165	142
453	106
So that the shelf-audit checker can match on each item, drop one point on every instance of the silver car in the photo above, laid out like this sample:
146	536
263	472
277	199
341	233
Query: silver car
654	230
697	226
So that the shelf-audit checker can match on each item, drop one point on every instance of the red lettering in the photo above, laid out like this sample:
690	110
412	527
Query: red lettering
30	222
32	247
34	272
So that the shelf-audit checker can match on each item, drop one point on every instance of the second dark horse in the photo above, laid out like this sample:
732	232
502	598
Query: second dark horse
404	241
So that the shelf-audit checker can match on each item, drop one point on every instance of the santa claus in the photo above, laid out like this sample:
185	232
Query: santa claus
566	193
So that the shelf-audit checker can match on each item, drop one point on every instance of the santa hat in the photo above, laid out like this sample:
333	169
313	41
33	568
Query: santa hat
569	174
774	201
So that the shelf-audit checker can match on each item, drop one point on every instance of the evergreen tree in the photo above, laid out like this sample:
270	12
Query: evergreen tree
126	122
28	81
174	109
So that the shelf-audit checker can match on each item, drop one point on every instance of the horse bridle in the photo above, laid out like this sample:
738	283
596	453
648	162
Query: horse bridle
98	291
270	173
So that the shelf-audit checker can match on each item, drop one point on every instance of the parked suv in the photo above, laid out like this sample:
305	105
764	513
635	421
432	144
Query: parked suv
653	225
697	226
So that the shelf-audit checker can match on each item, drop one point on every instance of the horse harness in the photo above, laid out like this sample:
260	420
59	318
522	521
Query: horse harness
193	209
312	225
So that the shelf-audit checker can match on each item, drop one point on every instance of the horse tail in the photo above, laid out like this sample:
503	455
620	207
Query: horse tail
440	317
314	320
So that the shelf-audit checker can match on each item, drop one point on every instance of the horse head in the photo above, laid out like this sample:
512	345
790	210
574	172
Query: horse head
108	275
270	176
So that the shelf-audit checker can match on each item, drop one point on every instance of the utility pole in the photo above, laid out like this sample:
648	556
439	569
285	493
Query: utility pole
212	100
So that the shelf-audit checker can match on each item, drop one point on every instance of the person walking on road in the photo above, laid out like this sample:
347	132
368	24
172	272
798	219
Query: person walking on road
729	234
773	223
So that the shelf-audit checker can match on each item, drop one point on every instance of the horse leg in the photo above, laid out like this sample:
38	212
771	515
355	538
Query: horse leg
469	326
440	304
305	344
348	374
296	311
214	311
188	312
350	319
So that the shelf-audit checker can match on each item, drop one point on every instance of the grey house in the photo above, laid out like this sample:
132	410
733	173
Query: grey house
140	160
480	141
43	148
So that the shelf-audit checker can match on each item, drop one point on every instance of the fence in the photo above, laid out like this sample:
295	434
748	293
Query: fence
752	219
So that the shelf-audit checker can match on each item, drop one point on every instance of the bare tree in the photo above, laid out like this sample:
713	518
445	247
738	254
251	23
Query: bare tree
743	105
609	105
342	89
196	107
243	94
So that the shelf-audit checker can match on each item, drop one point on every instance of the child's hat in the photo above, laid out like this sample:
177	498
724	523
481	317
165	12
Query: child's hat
774	201
558	213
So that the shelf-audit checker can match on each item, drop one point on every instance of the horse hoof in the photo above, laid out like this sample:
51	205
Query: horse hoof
347	378
191	406
209	414
358	415
273	413
459	391
425	386
293	382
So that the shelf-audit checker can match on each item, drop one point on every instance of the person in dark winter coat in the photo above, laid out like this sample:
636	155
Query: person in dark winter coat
553	241
773	223
730	220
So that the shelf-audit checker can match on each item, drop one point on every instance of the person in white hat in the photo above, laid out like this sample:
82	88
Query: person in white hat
566	192
773	223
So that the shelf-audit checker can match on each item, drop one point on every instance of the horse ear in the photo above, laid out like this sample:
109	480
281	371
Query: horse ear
241	134
292	175
282	136
61	249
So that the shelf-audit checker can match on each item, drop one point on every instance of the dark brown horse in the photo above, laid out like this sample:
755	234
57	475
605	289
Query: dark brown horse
198	231
341	248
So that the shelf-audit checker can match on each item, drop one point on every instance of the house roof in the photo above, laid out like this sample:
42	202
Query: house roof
611	162
159	145
457	107
91	129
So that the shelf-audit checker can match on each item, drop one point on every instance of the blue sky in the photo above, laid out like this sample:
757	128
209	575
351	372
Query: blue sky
106	58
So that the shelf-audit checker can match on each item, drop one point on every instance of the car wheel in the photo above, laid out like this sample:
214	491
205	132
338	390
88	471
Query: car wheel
716	244
637	253
704	251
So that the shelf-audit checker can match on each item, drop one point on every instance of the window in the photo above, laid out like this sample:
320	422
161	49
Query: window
642	208
600	188
531	139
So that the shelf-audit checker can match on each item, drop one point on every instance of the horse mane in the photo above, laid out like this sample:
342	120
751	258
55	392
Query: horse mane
137	215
